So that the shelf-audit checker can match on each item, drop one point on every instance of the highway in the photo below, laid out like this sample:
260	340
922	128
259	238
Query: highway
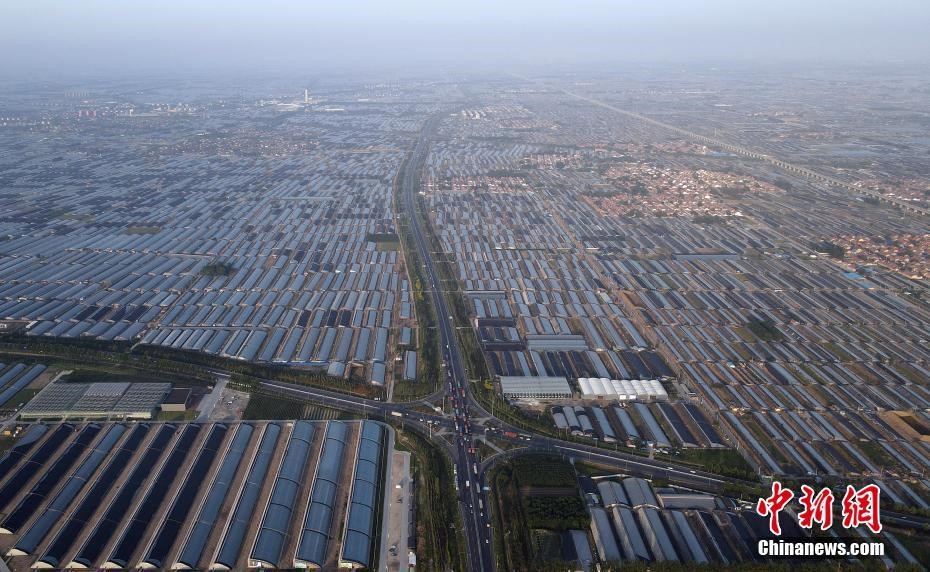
469	473
473	502
627	463
469	470
630	463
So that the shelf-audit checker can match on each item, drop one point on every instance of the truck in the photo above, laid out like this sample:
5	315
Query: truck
397	414
510	434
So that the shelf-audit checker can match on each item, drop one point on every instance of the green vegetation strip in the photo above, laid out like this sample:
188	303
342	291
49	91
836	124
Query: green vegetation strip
167	363
440	545
428	374
270	406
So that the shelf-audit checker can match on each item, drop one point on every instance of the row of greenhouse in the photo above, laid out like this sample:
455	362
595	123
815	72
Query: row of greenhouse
185	496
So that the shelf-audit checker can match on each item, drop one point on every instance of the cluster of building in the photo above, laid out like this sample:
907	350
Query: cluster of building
907	254
30	392
911	189
540	310
637	189
469	184
553	161
699	308
194	496
837	122
819	376
471	142
273	240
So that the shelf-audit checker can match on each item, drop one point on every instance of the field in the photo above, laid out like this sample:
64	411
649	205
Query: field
541	471
85	374
406	390
555	512
535	499
275	407
188	415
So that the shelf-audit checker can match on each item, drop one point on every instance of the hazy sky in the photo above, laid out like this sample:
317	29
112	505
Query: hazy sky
123	35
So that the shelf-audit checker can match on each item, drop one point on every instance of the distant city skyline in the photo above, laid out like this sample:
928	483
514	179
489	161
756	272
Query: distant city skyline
54	37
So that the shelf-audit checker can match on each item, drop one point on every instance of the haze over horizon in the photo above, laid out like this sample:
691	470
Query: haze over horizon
52	38
484	286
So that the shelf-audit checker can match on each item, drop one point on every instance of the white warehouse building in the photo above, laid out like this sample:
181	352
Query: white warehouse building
622	389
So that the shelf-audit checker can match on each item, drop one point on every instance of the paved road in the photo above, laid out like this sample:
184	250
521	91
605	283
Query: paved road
625	462
399	512
469	472
469	475
209	401
472	503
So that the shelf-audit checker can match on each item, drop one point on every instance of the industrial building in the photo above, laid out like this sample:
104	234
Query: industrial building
533	387
638	424
100	400
176	400
622	389
195	496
